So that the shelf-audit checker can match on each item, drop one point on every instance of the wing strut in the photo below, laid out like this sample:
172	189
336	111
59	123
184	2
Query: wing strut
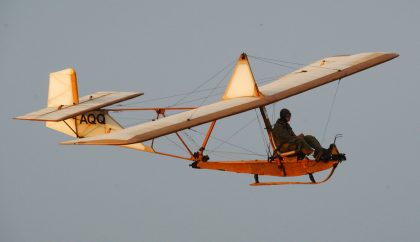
179	137
270	137
161	112
199	154
267	123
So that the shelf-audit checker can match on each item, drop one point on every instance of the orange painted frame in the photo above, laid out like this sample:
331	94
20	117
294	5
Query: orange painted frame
288	166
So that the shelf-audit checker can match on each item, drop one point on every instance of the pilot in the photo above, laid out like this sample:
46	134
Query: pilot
286	140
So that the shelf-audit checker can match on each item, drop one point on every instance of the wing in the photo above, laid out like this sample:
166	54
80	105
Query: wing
306	78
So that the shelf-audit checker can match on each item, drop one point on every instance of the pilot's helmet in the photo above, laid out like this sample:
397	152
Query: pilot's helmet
284	113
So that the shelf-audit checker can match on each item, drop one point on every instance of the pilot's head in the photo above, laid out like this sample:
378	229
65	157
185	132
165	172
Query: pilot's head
285	114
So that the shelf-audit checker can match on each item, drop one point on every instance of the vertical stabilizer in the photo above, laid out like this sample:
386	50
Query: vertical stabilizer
62	88
242	82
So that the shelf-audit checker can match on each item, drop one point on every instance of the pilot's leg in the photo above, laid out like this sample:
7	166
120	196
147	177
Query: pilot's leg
320	153
313	142
303	145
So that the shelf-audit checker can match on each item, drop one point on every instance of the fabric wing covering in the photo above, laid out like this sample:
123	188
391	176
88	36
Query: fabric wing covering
316	74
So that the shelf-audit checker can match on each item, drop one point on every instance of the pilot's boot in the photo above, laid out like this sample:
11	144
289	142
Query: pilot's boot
326	155
317	154
335	155
322	155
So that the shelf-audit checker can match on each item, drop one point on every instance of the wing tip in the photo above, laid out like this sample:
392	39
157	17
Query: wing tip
69	142
393	54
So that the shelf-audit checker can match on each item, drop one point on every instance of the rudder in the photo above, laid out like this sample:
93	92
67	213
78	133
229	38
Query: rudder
62	89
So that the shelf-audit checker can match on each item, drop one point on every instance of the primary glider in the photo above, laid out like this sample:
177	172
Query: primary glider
90	123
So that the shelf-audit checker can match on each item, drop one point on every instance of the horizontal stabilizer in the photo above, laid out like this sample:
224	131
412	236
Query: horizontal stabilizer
87	103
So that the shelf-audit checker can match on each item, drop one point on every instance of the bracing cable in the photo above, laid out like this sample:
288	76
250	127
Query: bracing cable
330	111
235	133
277	62
211	92
204	83
228	143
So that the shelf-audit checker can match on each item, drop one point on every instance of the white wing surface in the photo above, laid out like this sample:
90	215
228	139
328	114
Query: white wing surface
306	78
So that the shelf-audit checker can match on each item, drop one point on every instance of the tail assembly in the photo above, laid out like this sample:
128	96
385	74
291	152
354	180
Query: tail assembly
83	117
63	92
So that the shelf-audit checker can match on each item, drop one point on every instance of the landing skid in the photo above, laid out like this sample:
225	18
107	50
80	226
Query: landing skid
312	182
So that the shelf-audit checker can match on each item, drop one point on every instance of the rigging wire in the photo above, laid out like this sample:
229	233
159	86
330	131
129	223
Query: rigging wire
196	145
219	93
197	90
163	98
217	86
277	60
266	145
133	118
330	111
260	81
235	133
211	92
173	142
273	116
274	61
226	155
233	156
204	83
233	153
226	142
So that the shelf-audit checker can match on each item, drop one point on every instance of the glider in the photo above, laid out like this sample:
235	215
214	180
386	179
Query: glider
88	120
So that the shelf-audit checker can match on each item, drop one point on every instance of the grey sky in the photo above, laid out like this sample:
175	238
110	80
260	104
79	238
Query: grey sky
50	192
